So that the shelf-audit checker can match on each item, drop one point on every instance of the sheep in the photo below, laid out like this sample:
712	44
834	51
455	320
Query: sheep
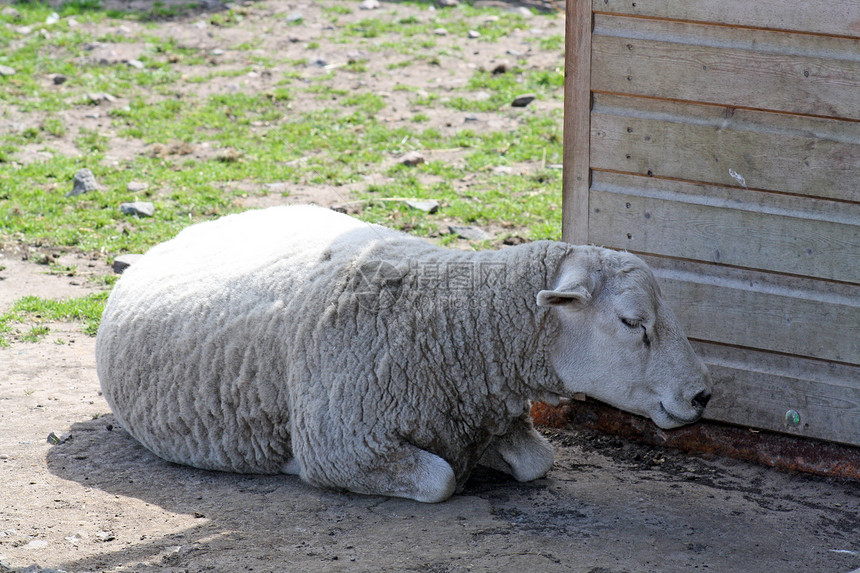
302	341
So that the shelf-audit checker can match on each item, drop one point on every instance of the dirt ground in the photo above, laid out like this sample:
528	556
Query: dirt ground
99	501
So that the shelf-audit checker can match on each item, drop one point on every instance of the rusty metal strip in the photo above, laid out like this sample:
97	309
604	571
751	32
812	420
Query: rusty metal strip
779	451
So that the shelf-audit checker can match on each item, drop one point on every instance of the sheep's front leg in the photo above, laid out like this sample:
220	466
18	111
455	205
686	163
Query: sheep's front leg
406	471
521	452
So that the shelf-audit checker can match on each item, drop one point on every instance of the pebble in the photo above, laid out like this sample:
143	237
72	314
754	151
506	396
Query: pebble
320	63
139	208
369	5
523	11
99	97
470	117
448	3
503	169
474	34
277	187
440	32
122	262
53	18
523	100
514	53
295	17
11	13
429	206
468	232
136	186
83	182
411	159
217	52
58	79
7	71
500	68
24	30
136	64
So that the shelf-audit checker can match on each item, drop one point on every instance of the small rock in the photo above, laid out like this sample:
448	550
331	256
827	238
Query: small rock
105	536
514	53
369	5
503	169
295	17
84	182
482	96
440	32
278	187
136	186
59	79
56	440
99	97
72	23
137	64
92	115
412	159
523	11
122	262
468	232
514	240
429	206
320	63
7	71
448	3
470	117
53	18
24	30
36	544
139	208
199	25
10	13
500	68
217	52
474	34
523	100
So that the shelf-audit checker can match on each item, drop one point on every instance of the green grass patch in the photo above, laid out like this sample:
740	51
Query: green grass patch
35	312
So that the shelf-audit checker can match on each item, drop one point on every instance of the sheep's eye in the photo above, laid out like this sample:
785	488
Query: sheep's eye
630	323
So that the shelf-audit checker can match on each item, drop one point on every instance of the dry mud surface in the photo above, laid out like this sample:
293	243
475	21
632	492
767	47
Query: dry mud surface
101	502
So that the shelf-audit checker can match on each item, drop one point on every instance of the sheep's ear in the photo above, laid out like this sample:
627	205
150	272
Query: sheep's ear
576	296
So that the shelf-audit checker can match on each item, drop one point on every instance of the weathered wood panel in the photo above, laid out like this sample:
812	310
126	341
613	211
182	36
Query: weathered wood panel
791	154
835	17
773	232
577	121
767	70
790	315
757	388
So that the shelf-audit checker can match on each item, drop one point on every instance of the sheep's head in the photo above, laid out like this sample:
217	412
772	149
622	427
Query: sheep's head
619	342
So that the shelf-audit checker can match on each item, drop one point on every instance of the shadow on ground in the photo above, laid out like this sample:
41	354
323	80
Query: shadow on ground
608	505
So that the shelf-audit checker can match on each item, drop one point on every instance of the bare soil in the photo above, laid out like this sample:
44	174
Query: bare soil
98	501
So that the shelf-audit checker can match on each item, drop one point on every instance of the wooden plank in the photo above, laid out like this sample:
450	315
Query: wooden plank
758	389
790	315
835	17
796	235
767	70
793	154
577	114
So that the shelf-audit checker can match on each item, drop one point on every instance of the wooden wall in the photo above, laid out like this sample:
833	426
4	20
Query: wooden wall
721	141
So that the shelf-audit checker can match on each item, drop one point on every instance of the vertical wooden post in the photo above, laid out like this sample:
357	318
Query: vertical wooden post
577	113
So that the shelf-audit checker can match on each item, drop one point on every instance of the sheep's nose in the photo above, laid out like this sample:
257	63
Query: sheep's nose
701	399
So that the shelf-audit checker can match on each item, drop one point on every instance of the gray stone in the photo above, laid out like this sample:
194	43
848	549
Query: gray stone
428	206
100	97
469	233
411	159
440	32
122	262
369	5
523	100
474	34
10	13
7	71
137	186
295	17
448	3
137	64
139	208
84	182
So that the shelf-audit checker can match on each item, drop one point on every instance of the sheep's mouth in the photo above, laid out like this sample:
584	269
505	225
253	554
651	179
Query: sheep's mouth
679	419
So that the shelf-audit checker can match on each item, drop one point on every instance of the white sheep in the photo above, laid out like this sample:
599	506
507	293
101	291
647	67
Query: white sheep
302	341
